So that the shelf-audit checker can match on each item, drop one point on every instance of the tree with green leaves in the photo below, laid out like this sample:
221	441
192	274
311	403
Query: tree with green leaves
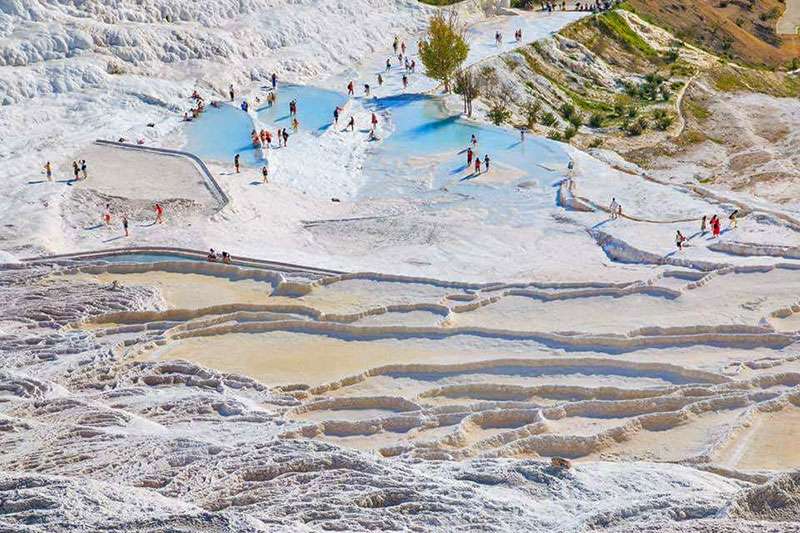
443	49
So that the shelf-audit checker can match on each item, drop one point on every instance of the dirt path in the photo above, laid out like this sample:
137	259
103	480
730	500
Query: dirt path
790	20
679	106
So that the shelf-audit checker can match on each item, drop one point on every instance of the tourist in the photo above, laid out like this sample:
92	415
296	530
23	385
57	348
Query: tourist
374	121
212	256
679	240
498	38
413	66
274	81
83	169
715	226
388	64
380	80
231	92
236	162
245	106
265	171
366	90
522	135
613	209
286	136
125	224
470	153
226	258
350	89
49	171
159	214
477	165
107	215
295	124
396	43
403	48
336	112
704	225
473	141
352	124
405	81
486	162
732	218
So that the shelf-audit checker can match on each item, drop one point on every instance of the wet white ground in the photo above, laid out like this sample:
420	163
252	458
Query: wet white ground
215	399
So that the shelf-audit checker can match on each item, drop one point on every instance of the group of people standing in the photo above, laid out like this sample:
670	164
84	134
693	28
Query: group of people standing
106	218
78	169
595	7
263	138
713	224
472	153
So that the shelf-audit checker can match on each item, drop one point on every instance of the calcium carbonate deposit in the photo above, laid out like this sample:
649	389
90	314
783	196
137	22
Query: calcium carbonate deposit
397	343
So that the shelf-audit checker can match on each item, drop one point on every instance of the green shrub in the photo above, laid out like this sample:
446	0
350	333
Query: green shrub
596	120
548	119
554	135
567	110
636	127
498	114
570	132
531	111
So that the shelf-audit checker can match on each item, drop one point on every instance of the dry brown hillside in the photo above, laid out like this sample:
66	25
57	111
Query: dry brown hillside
740	29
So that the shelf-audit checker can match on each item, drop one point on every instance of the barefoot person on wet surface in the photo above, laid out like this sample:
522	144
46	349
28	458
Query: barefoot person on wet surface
236	162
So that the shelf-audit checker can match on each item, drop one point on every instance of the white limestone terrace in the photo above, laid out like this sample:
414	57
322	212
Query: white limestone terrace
325	395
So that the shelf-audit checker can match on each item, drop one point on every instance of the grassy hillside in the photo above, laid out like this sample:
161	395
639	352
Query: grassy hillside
742	30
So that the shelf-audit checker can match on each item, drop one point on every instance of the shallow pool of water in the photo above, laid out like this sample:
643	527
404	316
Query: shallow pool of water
423	127
418	130
314	108
220	133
